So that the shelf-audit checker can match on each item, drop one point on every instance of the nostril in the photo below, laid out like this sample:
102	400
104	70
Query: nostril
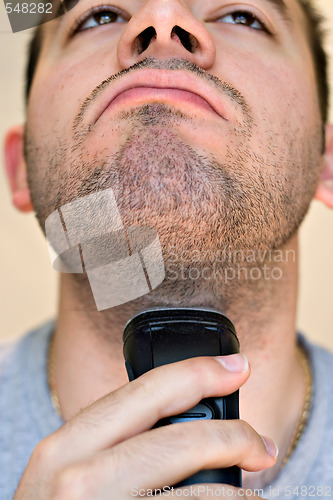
187	39
143	40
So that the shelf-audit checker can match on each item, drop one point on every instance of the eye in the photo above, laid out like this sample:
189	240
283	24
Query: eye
245	19
98	17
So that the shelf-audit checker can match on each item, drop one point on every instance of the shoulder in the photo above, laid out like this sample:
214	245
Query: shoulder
15	352
6	352
321	358
25	411
22	362
321	362
320	427
9	353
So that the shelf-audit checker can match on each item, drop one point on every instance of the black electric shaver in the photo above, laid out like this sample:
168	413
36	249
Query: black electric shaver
162	335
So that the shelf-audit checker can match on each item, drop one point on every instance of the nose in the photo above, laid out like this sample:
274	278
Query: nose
166	29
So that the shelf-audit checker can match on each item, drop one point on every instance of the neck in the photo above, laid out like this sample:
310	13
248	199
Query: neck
88	360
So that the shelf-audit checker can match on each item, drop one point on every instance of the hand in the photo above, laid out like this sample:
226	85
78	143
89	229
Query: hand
108	451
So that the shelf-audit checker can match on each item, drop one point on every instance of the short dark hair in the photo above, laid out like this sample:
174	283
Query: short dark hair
315	32
316	38
34	50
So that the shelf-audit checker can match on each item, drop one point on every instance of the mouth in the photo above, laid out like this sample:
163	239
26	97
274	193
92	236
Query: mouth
175	88
143	95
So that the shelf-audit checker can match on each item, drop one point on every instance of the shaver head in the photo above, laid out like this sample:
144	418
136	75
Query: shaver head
163	335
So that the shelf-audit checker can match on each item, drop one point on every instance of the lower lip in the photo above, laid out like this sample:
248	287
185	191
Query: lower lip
143	95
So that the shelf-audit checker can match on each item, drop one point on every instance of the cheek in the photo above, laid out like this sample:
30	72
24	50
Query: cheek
276	80
58	91
286	97
283	101
56	98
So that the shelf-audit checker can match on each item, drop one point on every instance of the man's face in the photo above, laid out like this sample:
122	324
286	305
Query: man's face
216	142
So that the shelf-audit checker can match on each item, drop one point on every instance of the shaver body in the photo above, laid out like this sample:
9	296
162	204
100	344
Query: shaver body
162	335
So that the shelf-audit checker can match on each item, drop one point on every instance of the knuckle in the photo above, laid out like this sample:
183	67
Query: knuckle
182	433
194	438
246	433
199	371
69	483
146	385
45	451
173	438
234	434
224	435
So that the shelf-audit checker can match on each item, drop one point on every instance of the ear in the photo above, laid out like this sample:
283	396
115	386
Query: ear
325	188
16	169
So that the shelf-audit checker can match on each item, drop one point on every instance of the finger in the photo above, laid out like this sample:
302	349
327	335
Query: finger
138	405
165	456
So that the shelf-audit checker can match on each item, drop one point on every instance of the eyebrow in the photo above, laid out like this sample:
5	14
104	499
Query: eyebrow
66	5
69	4
281	7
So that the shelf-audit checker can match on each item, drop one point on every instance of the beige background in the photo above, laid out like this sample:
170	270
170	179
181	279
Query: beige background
27	281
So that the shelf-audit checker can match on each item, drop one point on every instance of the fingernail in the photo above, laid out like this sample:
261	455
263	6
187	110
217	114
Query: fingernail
271	446
234	362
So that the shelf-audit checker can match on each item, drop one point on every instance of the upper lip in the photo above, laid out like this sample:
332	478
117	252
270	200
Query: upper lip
163	79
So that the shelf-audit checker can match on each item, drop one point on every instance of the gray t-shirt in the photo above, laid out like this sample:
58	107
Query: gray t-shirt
27	416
